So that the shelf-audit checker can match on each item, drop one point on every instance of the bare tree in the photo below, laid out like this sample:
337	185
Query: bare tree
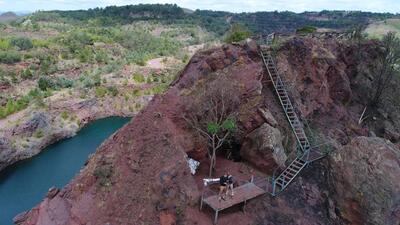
211	111
388	65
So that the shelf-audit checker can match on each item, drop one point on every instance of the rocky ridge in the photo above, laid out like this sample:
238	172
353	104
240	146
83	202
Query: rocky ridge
140	174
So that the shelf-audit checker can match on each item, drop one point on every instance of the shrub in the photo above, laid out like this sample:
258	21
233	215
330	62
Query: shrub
13	106
26	74
40	43
45	83
112	90
100	92
101	56
138	77
96	79
64	82
46	62
4	44
237	33
159	89
9	57
38	134
85	55
306	30
22	43
144	45
112	67
2	26
185	58
64	115
103	174
136	92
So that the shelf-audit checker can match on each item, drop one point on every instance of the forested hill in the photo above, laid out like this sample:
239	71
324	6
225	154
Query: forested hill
267	22
217	21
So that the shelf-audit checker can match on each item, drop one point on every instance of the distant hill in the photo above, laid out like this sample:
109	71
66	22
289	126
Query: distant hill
380	28
217	21
8	16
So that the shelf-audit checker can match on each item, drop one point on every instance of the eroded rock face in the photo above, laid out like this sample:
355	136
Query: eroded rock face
140	175
365	181
263	148
327	82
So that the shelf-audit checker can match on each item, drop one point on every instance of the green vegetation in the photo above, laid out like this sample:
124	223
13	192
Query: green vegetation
22	43
137	77
93	51
216	125
15	105
306	30
45	83
103	174
387	68
4	44
64	115
38	134
237	33
101	92
285	22
381	28
9	57
113	91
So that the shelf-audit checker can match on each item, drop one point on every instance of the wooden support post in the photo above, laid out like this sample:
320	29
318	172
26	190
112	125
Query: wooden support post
216	216
201	201
244	206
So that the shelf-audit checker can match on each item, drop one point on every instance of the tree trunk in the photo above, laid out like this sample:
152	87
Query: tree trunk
212	163
212	159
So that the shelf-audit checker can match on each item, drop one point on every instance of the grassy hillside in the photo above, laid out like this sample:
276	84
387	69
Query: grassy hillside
380	28
87	50
45	54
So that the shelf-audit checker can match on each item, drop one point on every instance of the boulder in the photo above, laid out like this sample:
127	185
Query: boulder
268	117
365	181
263	148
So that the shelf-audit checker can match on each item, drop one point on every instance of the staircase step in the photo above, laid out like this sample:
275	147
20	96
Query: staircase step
289	173
292	170
287	178
295	167
278	182
300	162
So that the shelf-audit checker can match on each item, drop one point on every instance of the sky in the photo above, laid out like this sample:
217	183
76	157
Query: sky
392	6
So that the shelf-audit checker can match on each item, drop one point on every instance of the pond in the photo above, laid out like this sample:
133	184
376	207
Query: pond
24	184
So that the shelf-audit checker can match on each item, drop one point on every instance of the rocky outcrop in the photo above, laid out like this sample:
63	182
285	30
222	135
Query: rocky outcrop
365	181
140	175
327	82
263	148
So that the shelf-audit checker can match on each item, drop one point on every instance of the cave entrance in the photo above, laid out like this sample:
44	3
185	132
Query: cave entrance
231	150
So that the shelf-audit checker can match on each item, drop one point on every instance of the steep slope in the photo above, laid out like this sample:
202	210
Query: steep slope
141	171
140	174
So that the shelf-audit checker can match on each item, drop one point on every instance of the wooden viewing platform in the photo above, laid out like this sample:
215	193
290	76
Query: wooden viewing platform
242	193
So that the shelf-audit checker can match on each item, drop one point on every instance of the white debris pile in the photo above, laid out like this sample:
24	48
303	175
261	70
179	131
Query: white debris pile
193	165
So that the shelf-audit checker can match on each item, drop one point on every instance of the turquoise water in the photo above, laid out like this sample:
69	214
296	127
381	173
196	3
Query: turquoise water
25	184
